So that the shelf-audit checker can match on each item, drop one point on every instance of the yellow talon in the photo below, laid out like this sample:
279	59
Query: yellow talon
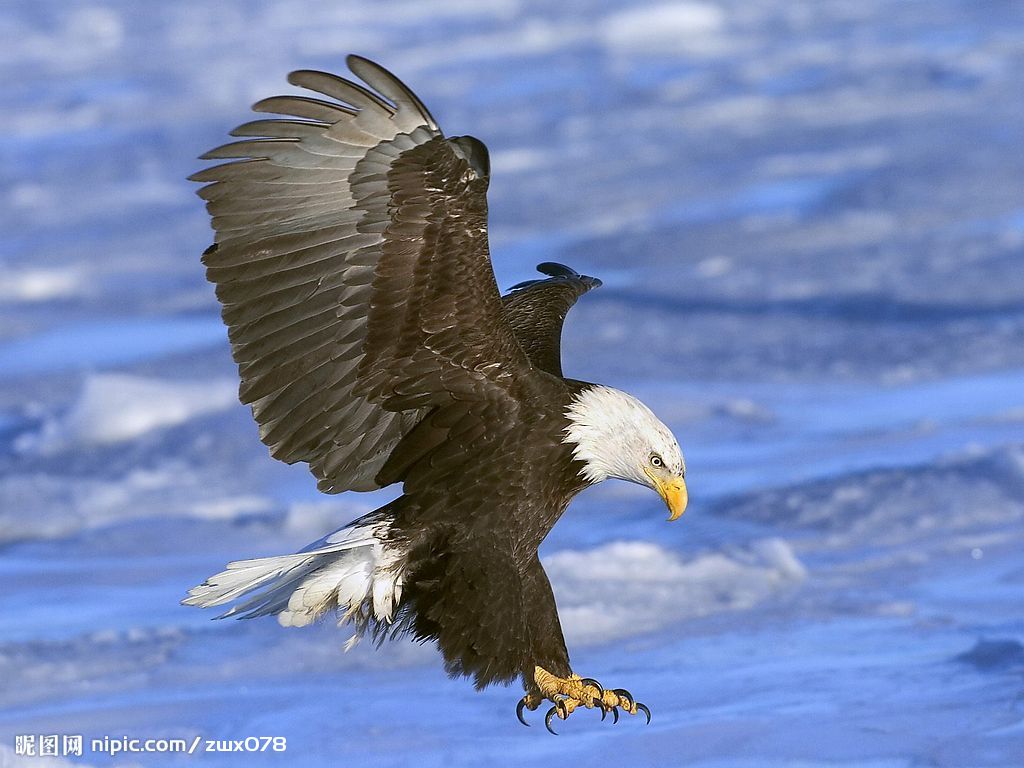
569	693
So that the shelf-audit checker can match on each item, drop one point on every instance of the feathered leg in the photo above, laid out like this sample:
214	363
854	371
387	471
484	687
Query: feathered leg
549	676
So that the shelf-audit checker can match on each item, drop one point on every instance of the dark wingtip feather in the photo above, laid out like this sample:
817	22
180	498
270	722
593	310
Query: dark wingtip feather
554	269
559	271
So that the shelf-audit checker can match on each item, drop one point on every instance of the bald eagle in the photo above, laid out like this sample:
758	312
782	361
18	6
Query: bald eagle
372	343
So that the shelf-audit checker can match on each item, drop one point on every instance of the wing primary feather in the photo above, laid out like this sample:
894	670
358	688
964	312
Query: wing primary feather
339	88
249	148
304	106
278	129
386	83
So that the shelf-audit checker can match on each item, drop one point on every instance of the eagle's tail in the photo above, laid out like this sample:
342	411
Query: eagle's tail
354	571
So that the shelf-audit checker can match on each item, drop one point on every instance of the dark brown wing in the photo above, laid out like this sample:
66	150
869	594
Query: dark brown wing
351	259
536	311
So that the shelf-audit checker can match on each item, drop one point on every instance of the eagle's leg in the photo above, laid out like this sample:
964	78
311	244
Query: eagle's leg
545	668
569	693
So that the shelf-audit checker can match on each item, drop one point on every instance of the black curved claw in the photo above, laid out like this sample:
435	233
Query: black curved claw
547	719
592	682
615	715
622	693
519	711
601	705
643	708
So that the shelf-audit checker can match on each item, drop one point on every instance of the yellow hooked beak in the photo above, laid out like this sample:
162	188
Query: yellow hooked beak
673	491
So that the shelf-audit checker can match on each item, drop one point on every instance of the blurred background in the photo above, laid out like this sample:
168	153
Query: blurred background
809	221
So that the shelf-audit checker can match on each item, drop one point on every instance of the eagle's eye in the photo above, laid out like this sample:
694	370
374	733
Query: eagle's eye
657	461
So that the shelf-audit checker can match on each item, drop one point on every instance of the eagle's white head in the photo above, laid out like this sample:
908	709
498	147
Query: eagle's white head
615	435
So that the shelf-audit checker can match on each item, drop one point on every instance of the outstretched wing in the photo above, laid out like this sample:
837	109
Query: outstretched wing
352	262
536	311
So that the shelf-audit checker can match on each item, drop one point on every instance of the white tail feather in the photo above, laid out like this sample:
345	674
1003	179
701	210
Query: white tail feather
353	571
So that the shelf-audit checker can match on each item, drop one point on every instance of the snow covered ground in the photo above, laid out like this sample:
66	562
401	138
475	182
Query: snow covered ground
810	223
